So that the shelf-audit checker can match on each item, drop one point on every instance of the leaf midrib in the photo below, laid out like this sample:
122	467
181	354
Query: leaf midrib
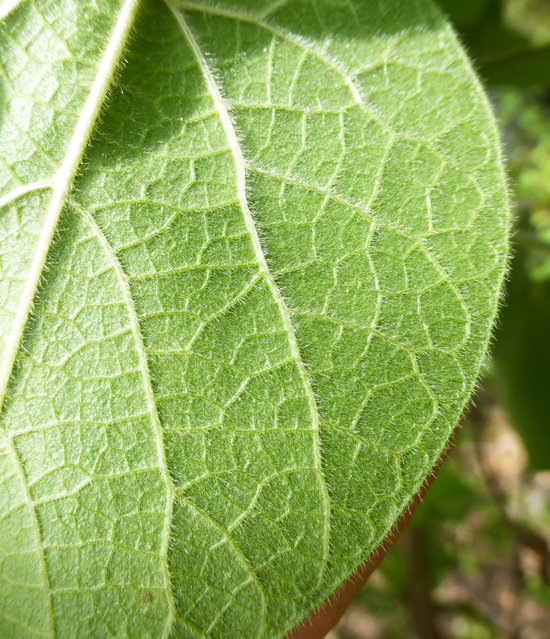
61	185
7	7
63	182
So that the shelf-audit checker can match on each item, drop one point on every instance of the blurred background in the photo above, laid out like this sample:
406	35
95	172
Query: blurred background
475	562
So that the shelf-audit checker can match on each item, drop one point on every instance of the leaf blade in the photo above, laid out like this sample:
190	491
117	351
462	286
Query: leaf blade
217	149
424	242
61	183
259	253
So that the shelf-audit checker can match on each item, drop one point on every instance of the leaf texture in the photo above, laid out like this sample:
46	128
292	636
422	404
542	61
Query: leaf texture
250	255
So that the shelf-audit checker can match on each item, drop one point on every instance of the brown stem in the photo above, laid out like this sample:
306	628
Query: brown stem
319	622
419	598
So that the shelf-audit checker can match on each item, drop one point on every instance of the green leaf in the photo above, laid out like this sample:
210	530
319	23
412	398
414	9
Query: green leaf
250	255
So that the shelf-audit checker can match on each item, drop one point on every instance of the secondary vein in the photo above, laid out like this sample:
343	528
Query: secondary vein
36	533
135	328
21	190
284	311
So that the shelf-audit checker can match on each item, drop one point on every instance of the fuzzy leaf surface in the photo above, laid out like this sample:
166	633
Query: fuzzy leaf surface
250	255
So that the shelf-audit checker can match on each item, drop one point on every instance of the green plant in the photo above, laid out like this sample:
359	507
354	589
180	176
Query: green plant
250	255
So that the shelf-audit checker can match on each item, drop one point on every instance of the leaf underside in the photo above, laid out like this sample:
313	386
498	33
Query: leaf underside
250	254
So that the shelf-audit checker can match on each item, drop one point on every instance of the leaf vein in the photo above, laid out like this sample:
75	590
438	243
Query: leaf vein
150	400
63	182
284	311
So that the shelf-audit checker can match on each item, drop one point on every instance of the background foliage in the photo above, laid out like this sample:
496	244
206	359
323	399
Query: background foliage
475	563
